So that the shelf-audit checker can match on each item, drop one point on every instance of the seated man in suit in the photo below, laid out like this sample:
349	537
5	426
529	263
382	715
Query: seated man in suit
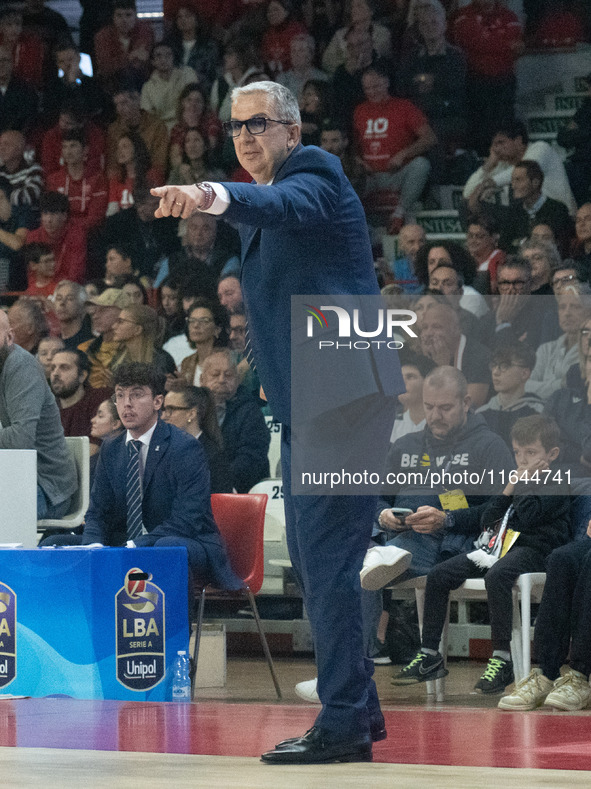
151	485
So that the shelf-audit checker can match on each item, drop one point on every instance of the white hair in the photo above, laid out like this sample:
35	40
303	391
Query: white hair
285	103
76	288
547	248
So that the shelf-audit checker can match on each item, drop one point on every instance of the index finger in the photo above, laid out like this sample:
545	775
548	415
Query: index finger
166	195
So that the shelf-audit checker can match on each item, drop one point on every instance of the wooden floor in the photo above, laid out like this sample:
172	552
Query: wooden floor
66	769
215	742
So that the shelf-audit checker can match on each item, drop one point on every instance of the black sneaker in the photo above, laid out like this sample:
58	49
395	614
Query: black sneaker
421	669
497	675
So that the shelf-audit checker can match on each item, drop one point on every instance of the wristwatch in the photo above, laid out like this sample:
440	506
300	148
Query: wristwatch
449	521
208	195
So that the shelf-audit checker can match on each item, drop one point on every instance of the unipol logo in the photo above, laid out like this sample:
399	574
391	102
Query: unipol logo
354	332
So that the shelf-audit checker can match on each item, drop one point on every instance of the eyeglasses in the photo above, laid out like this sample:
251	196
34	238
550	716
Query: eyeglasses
253	126
199	321
563	280
170	409
133	396
507	283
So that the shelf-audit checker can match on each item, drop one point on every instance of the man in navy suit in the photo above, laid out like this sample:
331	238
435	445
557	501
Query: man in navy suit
174	481
303	231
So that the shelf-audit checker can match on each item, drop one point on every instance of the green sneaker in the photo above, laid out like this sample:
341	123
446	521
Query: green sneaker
497	675
422	668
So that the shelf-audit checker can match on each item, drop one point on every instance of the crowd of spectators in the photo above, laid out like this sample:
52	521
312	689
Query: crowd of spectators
399	92
410	95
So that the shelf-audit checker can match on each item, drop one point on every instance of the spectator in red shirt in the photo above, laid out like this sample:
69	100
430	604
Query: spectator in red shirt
276	43
392	137
39	261
133	171
560	26
67	237
87	192
28	51
490	36
124	45
51	147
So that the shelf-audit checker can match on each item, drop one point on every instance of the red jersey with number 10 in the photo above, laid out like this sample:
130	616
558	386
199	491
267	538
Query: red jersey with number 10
383	129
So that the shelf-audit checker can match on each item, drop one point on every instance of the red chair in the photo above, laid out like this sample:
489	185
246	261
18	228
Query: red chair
240	518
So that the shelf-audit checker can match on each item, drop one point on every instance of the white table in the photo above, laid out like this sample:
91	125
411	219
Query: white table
18	496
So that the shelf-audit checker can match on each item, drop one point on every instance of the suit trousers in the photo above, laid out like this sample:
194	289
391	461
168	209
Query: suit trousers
498	580
196	554
565	610
327	537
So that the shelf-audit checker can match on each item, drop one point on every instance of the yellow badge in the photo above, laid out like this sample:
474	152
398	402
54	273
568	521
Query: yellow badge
509	540
453	500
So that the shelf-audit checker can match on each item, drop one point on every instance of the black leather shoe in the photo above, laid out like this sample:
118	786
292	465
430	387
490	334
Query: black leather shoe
377	727
377	731
316	747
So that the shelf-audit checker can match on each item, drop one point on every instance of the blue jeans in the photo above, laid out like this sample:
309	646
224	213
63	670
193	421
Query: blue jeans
47	510
425	549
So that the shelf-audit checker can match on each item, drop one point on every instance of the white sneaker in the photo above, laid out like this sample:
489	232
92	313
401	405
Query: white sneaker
571	692
528	694
308	691
383	564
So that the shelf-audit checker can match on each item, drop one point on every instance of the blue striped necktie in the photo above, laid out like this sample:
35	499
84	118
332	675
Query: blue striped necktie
134	491
248	354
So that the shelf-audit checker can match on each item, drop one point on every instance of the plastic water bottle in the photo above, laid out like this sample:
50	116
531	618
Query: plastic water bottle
181	681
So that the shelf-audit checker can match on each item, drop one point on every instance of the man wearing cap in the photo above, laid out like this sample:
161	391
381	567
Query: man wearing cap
102	349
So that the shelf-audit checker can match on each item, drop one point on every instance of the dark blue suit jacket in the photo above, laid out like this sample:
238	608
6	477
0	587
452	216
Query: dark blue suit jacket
306	233
176	496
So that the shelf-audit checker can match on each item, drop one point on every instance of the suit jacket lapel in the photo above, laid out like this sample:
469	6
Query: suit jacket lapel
156	451
250	233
